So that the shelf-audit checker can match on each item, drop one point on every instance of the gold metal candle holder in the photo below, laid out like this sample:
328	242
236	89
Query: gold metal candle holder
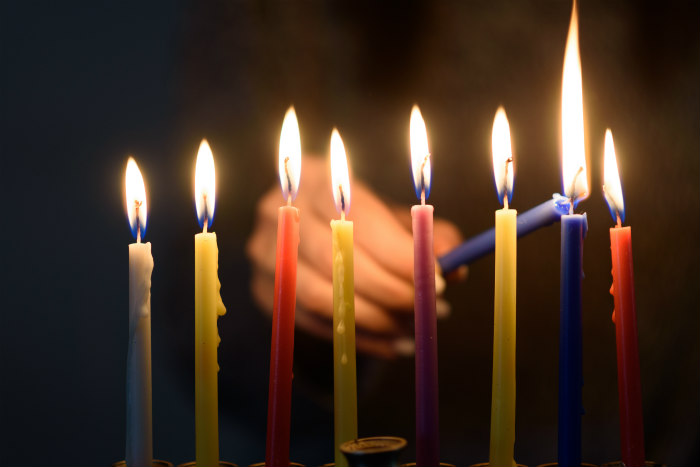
221	464
156	463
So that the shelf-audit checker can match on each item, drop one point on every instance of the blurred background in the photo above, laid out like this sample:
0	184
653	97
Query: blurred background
85	84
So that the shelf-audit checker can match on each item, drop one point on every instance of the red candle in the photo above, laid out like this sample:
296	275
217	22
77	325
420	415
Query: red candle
282	348
624	317
427	422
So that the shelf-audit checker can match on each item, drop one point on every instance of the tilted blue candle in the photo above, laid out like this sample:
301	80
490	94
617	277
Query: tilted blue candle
480	245
573	230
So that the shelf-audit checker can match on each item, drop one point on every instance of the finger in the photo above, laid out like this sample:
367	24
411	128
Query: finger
260	248
374	281
316	244
446	236
262	286
380	285
381	235
315	293
320	327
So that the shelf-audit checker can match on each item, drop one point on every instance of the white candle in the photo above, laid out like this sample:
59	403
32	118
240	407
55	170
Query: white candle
139	423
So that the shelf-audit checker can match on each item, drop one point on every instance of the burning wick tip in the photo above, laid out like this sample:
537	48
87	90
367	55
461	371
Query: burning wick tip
289	180
342	200
137	206
422	178
573	189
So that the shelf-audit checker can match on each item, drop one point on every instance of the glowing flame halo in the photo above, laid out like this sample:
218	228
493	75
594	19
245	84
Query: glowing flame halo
136	204
420	155
612	188
340	178
574	173
502	154
205	185
290	155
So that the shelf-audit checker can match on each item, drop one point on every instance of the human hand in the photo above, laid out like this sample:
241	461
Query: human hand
383	257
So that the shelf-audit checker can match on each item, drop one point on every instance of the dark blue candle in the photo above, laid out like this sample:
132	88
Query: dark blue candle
480	245
573	230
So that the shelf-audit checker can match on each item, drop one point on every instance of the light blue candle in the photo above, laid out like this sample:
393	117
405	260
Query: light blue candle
480	245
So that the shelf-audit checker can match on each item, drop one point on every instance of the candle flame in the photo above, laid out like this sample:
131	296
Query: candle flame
574	173
136	205
290	155
502	154
420	154
340	178
205	185
612	189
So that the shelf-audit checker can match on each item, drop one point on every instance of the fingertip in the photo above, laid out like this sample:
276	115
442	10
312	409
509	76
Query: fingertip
405	347
439	281
443	309
446	236
458	275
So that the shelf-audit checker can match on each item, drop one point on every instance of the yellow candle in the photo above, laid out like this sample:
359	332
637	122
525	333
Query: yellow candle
503	382
345	375
208	306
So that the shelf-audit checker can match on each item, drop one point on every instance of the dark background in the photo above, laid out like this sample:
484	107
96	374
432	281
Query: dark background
86	84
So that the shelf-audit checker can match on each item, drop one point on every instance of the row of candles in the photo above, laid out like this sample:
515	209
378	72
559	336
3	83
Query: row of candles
508	226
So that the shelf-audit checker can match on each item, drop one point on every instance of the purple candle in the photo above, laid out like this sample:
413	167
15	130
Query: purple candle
427	422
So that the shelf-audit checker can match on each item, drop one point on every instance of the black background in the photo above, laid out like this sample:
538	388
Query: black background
87	83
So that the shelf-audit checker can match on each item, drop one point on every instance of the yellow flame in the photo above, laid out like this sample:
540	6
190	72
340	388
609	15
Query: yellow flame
290	155
205	184
136	205
340	179
502	153
574	173
420	154
612	189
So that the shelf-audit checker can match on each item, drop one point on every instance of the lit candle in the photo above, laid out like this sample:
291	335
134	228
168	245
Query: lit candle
573	230
345	375
624	317
503	378
427	422
482	244
279	403
139	421
207	307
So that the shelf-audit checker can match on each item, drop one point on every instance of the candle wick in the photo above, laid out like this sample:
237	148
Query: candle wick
342	215
342	199
422	178
287	175
619	221
137	205
204	206
573	186
508	163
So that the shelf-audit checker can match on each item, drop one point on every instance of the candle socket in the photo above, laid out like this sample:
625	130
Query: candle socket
555	464
622	464
375	451
262	464
413	464
486	464
156	463
221	464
